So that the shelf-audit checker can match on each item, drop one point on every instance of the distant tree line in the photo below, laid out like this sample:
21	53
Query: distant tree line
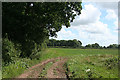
64	43
78	44
97	46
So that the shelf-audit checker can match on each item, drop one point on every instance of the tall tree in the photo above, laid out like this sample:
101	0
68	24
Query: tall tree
31	23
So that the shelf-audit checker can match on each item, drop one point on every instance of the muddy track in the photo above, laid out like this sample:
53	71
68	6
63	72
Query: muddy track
55	71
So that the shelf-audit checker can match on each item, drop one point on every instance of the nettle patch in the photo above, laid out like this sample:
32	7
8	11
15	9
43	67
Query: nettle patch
112	62
19	67
92	67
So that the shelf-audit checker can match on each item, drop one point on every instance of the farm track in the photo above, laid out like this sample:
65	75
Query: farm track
55	71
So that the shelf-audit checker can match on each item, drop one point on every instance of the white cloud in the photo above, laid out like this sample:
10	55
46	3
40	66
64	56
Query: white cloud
116	23
108	5
88	15
93	28
116	26
63	34
97	28
95	32
89	29
111	14
89	21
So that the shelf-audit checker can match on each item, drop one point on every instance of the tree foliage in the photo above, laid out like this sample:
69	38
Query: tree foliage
78	44
97	46
65	43
29	23
25	22
113	46
10	50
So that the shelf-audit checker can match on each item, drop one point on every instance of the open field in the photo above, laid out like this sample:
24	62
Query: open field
72	63
100	63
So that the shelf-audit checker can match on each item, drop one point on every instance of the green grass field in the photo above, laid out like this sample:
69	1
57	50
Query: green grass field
88	63
82	63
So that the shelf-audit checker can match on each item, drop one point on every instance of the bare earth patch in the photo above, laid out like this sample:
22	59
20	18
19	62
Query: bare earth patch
57	68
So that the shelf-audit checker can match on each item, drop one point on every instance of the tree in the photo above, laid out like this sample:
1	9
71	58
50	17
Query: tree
76	44
88	46
96	45
104	47
80	43
113	46
57	43
118	46
30	25
65	43
70	43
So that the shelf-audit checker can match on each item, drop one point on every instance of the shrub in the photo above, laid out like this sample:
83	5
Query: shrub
9	50
111	62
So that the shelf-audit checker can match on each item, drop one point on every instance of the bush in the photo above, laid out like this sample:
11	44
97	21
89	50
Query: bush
9	50
37	50
112	62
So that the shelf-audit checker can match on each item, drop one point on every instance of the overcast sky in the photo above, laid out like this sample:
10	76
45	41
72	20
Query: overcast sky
98	23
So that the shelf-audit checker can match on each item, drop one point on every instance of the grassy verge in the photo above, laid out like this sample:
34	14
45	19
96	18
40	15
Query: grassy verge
17	67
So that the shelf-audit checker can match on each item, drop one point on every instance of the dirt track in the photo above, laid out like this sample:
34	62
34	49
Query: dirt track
55	71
